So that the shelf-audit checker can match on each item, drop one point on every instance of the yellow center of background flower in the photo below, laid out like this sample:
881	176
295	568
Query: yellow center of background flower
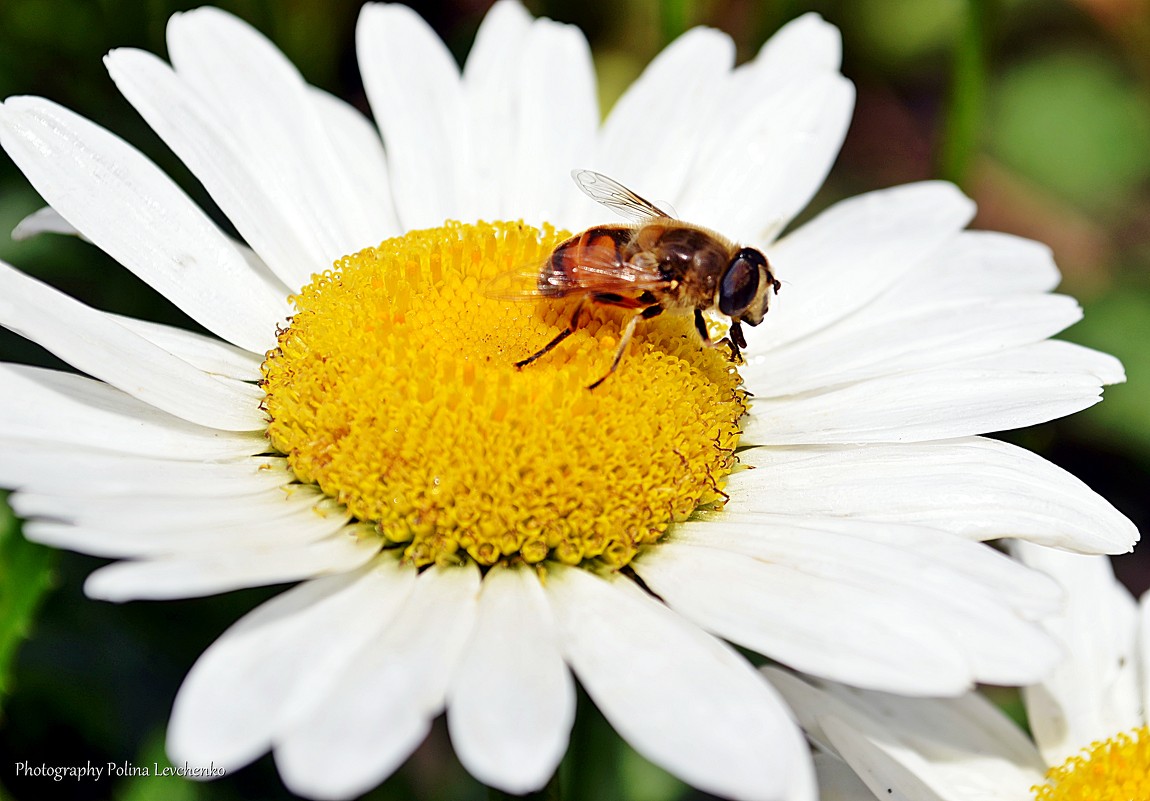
394	389
1117	769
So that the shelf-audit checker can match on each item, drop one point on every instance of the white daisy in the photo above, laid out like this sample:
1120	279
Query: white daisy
1090	719
468	535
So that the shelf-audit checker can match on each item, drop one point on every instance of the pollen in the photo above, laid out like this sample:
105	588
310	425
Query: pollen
1117	769
394	389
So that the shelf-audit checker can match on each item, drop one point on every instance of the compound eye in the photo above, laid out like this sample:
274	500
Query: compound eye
740	284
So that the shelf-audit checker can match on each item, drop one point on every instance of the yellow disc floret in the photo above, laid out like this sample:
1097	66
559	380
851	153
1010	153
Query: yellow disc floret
395	390
1117	769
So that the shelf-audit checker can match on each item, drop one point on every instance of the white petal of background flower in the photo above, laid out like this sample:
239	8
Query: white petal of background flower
243	690
253	91
838	782
681	698
413	86
136	214
1094	692
512	700
95	343
954	749
47	406
381	706
975	487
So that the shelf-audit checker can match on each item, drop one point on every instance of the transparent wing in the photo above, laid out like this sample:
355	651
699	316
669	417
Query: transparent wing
592	275
616	197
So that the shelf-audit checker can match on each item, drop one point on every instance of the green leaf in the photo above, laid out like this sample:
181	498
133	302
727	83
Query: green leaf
25	578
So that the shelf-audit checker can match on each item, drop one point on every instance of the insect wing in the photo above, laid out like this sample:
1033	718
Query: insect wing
593	274
525	283
616	197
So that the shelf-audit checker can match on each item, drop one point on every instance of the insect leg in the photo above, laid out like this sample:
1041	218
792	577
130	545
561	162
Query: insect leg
562	335
701	327
736	340
623	342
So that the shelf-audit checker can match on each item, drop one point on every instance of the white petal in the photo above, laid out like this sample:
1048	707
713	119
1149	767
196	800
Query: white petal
356	143
1029	592
381	706
280	235
492	66
899	621
136	214
512	701
159	543
210	355
794	616
198	575
95	343
975	265
149	511
48	220
838	781
61	408
637	145
766	162
1144	653
916	338
68	470
775	129
1020	387
1094	692
956	749
270	113
849	254
681	698
977	488
43	221
556	125
413	85
805	43
232	703
298	522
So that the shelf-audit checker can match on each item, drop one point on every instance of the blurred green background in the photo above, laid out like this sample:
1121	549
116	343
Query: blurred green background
1039	109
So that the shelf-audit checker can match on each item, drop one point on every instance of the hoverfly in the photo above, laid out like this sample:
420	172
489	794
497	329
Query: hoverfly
656	264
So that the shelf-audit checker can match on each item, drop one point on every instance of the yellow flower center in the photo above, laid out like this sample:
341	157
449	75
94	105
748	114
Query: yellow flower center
395	390
1117	769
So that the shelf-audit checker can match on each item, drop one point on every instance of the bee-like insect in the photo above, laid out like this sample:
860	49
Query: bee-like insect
657	264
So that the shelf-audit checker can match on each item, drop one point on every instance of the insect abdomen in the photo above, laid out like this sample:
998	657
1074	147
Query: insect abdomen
602	245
